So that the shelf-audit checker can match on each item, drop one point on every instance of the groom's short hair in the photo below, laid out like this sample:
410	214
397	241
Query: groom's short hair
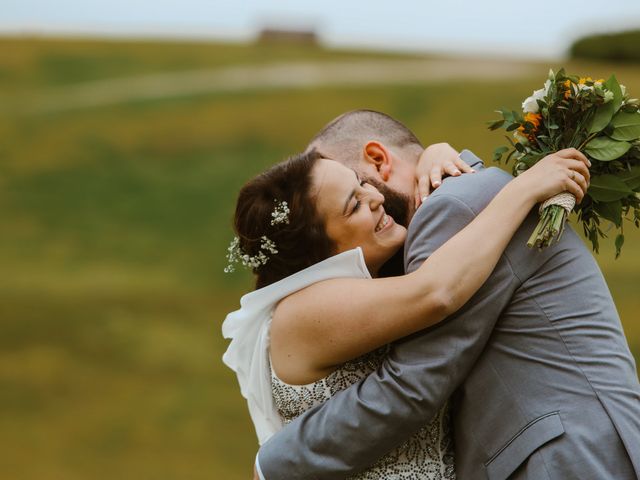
343	138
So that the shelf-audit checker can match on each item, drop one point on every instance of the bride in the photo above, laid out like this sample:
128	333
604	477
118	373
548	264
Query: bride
317	237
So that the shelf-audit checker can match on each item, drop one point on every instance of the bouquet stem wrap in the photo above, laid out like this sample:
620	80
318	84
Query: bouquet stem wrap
553	215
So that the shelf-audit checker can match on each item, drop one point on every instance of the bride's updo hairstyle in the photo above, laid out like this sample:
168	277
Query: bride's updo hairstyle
302	241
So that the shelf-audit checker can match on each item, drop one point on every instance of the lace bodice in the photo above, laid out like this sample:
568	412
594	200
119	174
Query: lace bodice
427	455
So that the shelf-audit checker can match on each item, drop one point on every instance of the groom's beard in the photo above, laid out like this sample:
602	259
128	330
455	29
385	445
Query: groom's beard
396	204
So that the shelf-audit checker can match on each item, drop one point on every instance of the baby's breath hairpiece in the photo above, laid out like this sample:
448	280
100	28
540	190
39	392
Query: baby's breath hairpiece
237	255
280	214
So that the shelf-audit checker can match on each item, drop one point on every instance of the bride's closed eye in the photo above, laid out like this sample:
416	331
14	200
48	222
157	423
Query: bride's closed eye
358	202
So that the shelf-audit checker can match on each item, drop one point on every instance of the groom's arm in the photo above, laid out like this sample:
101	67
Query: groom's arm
354	428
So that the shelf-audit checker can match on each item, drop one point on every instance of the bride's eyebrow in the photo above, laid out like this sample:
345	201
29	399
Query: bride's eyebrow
351	195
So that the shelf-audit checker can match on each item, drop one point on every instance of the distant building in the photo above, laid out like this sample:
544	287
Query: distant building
277	35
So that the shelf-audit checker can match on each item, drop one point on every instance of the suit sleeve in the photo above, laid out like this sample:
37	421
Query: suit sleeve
349	432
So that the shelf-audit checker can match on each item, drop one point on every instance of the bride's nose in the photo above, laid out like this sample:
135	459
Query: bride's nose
375	200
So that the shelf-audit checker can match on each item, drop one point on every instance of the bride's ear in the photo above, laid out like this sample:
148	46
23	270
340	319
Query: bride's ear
377	155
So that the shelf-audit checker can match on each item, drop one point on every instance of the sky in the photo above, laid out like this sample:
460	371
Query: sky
542	29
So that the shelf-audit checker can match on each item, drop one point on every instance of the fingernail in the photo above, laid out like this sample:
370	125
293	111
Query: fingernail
436	183
424	198
456	172
473	171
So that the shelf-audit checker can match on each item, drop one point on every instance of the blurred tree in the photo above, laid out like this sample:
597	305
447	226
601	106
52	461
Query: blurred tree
622	46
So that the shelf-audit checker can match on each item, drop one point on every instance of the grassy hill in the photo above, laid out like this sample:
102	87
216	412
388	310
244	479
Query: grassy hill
115	222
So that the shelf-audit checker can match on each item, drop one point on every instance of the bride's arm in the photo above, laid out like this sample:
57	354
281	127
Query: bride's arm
437	160
337	320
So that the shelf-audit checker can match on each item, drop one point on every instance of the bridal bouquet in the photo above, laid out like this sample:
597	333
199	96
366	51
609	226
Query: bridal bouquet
596	117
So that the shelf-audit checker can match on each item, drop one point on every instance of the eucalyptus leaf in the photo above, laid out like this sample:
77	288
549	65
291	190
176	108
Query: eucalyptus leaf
608	188
605	149
626	126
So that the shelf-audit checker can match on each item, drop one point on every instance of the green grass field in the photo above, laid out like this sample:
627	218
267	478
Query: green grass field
114	224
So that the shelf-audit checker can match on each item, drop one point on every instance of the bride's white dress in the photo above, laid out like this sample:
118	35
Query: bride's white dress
427	455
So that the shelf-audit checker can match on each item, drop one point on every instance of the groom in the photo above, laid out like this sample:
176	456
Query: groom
536	366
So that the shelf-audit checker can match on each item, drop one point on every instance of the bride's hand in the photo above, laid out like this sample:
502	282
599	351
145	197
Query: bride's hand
437	160
563	171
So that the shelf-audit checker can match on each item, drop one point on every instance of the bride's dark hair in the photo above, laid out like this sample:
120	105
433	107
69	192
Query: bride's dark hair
300	243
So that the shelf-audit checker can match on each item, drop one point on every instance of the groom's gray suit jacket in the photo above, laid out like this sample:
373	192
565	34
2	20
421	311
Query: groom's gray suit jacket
540	376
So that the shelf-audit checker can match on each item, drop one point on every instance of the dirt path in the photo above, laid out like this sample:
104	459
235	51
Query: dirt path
272	76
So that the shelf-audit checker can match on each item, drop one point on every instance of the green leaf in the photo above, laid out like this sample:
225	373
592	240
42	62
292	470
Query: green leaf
619	243
631	178
498	152
626	126
531	159
512	127
495	125
604	114
613	85
517	116
506	114
605	149
611	211
593	237
608	188
542	141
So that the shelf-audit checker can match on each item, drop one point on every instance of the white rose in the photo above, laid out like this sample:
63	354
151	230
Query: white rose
624	90
530	105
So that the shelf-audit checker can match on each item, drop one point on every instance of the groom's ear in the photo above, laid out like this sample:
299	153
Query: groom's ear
377	155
